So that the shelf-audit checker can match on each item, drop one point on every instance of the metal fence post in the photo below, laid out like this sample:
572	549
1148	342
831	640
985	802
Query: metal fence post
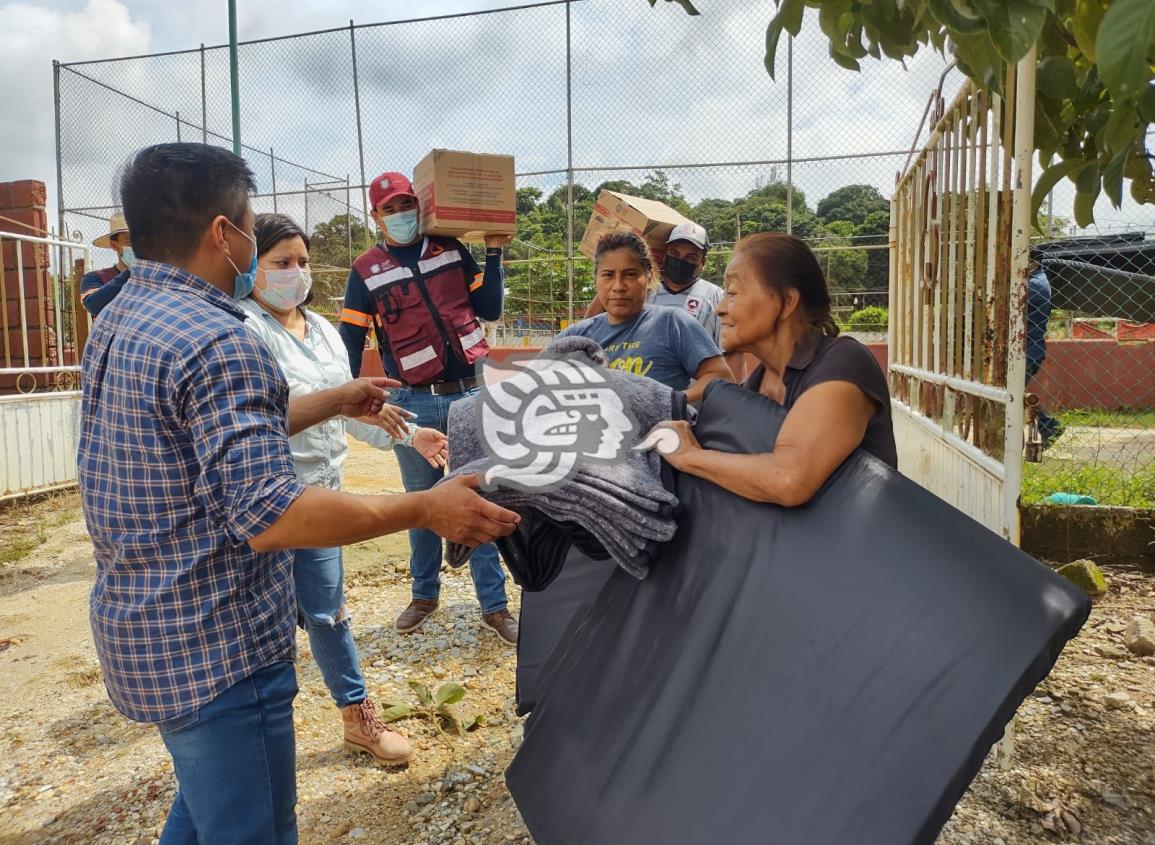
1021	217
273	171
59	165
360	140
569	233
178	139
234	75
204	101
306	206
790	136
348	220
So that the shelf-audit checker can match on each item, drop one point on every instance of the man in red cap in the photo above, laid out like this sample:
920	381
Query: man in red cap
423	297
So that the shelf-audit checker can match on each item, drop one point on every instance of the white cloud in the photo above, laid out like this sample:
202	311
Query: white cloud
30	37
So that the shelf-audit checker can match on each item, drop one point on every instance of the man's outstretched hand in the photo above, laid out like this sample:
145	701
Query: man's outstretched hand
455	511
363	397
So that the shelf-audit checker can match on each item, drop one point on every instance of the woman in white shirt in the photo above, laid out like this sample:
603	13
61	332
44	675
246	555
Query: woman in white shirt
313	358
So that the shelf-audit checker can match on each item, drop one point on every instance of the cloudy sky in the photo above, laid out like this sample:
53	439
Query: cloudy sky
651	88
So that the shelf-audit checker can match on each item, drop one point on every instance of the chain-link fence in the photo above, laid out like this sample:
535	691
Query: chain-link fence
593	94
1091	370
585	94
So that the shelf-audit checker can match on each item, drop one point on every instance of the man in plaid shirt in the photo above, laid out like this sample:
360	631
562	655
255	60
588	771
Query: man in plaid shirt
193	505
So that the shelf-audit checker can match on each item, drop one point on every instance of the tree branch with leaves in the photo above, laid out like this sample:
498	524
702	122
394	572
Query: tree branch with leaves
1095	102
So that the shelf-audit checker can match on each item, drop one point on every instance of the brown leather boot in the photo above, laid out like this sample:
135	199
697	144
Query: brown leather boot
502	623
366	733
414	616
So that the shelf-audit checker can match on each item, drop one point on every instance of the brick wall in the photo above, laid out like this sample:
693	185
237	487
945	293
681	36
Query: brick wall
23	211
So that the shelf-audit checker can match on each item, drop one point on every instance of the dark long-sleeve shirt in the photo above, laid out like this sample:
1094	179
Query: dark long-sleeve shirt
95	293
486	296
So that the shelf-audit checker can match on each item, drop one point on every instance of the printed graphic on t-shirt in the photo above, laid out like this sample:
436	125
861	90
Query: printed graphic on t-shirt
620	357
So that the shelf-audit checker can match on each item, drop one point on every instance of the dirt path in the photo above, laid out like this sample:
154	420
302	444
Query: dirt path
73	771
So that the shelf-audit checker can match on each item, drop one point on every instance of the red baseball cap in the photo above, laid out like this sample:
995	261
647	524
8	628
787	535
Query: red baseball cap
388	186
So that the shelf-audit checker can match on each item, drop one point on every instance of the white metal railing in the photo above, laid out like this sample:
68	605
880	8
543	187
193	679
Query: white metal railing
39	363
960	226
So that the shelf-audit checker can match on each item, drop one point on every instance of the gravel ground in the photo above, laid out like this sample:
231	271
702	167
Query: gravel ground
73	771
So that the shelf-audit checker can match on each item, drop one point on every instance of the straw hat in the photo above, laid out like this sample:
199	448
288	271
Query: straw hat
116	226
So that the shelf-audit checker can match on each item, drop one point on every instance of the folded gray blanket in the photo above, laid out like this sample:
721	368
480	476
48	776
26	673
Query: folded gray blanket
623	503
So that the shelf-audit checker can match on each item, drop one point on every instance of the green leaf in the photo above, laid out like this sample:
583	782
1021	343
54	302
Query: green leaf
979	59
449	694
787	19
1085	208
474	723
685	4
1121	129
396	711
1147	104
843	60
1122	44
1051	177
946	13
1057	78
1087	179
1085	26
423	694
1113	176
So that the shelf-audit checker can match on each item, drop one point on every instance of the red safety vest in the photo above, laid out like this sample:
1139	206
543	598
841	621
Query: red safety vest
423	316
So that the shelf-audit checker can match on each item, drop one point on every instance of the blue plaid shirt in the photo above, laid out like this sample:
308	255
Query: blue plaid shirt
184	457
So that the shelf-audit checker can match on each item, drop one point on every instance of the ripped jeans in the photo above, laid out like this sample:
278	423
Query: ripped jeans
319	578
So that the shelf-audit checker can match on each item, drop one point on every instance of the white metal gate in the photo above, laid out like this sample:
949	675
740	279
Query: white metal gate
42	334
960	229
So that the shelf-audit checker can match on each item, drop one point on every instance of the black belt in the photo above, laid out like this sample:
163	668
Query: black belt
447	388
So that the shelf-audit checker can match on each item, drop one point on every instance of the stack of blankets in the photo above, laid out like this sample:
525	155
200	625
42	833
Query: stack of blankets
621	510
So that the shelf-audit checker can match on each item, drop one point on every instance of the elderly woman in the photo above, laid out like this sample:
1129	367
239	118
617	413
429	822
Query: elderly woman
665	344
313	358
777	308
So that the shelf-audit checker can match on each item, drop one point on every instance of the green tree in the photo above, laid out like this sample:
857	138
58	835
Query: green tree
764	210
875	233
719	217
1096	60
330	242
657	186
852	203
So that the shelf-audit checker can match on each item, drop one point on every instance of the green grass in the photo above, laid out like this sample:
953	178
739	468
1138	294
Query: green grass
1107	484
1140	418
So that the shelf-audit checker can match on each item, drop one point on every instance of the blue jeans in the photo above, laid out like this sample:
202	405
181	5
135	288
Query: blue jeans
235	762
426	552
319	578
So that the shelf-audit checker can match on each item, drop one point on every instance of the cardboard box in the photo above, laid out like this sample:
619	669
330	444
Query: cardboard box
466	195
651	219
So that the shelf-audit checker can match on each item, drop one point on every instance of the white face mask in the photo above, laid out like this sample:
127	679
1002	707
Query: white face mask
285	289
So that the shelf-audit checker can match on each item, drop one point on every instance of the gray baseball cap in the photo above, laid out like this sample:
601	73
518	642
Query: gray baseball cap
691	232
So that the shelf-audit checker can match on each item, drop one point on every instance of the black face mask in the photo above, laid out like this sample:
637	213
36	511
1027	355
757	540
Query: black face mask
678	271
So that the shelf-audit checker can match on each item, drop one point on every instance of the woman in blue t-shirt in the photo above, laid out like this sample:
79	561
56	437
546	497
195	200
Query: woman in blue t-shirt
665	344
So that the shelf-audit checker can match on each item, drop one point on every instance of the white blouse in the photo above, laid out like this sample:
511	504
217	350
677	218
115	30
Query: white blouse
316	363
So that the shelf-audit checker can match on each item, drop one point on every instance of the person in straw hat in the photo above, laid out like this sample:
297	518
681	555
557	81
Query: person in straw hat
100	287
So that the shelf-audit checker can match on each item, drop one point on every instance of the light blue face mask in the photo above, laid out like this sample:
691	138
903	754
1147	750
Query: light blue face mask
243	284
402	226
127	256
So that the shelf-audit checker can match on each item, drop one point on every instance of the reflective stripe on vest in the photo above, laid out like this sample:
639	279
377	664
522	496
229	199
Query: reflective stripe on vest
388	277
